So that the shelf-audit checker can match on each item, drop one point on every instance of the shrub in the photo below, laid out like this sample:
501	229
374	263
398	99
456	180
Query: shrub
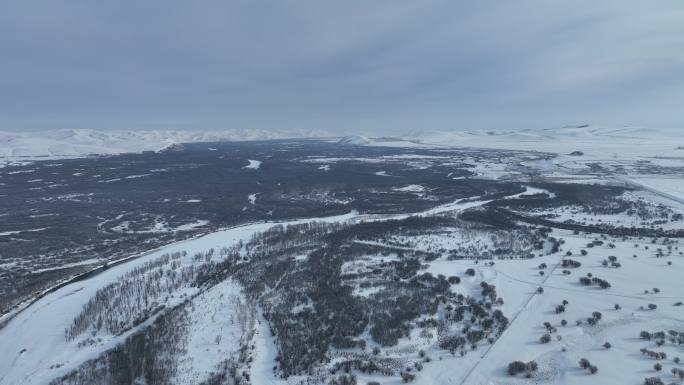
344	379
407	377
584	363
595	318
454	280
653	381
545	339
603	284
517	367
567	263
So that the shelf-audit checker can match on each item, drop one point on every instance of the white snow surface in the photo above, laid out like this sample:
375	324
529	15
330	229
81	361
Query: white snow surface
253	164
518	281
622	364
415	188
670	186
214	329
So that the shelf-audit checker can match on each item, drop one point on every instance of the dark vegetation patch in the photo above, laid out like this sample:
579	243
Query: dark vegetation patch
312	307
147	356
589	199
106	207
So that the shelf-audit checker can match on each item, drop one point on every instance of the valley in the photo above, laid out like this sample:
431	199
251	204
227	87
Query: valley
314	262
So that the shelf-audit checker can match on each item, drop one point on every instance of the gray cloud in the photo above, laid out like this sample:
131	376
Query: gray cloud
352	65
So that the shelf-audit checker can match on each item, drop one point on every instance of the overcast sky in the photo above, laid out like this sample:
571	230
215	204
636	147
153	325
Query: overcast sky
361	66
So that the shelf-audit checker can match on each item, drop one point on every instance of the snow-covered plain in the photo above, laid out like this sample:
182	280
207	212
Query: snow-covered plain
672	186
531	299
636	151
622	363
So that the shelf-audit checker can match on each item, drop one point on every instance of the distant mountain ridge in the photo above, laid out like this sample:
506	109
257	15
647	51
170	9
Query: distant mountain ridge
63	143
355	140
69	143
593	141
574	131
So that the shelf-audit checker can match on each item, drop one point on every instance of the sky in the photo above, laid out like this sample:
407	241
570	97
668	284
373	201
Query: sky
381	66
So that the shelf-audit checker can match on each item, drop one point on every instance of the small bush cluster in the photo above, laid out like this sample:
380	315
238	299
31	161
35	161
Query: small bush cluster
545	339
568	263
517	367
343	379
407	377
586	365
587	281
653	381
595	318
652	354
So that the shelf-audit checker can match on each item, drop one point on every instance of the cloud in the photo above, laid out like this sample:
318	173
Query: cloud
353	65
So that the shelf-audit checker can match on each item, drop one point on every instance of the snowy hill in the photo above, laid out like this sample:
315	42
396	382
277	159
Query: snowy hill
355	140
66	143
595	141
